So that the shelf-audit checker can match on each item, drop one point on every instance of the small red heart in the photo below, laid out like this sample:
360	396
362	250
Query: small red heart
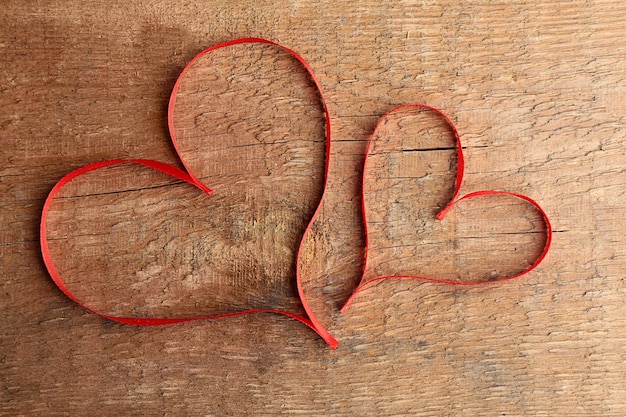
366	279
191	174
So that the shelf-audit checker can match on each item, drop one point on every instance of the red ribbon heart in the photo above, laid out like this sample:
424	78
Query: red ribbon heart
187	176
440	216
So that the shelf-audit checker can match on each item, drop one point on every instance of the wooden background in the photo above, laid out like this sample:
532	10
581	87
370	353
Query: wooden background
537	90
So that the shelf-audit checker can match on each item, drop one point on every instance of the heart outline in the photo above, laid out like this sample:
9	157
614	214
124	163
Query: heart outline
309	319
441	215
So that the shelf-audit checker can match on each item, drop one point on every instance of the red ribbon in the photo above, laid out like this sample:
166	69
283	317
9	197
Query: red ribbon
187	176
441	215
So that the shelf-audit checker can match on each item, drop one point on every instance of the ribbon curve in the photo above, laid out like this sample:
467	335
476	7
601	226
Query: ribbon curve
441	215
309	319
186	175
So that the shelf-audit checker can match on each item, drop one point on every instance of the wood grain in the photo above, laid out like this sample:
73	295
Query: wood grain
536	90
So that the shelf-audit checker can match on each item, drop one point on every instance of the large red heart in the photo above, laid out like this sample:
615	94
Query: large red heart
369	277
192	175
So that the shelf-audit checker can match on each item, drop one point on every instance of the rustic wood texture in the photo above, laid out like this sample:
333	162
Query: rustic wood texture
537	90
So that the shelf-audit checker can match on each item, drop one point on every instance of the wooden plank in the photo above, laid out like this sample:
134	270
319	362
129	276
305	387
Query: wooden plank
536	90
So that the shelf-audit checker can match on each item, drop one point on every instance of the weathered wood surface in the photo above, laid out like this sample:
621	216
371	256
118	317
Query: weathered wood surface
537	90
